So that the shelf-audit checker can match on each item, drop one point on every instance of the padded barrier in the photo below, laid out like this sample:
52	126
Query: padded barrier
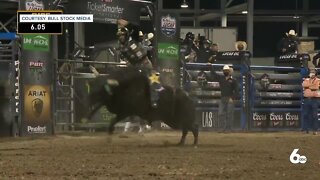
206	94
271	96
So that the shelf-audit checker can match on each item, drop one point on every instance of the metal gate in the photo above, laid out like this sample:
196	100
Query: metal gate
9	82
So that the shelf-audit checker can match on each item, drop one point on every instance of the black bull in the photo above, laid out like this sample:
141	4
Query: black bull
126	92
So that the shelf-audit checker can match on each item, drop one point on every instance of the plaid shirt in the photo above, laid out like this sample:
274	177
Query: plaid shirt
311	87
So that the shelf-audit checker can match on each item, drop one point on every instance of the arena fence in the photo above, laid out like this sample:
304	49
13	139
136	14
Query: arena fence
9	81
72	88
271	96
206	93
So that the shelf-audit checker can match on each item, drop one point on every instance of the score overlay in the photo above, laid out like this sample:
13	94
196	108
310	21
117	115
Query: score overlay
39	27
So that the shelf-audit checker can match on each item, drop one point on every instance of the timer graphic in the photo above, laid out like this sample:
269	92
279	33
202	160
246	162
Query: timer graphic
38	27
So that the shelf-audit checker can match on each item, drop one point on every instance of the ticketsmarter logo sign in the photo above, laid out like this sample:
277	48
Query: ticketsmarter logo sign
36	42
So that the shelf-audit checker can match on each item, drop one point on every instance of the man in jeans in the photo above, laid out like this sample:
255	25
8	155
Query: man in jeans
229	92
310	105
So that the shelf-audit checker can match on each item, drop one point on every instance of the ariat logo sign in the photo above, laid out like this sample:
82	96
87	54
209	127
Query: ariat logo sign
36	42
37	93
37	130
34	5
37	102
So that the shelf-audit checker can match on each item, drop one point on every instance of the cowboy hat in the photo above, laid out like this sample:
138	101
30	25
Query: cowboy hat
241	43
140	33
227	68
291	32
150	36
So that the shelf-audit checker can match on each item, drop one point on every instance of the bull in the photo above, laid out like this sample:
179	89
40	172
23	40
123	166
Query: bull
176	109
125	93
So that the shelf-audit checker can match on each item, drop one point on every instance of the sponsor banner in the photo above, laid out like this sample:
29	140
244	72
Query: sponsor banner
36	78
276	119
33	5
169	25
168	51
107	11
293	60
209	119
278	102
36	42
168	46
233	57
37	110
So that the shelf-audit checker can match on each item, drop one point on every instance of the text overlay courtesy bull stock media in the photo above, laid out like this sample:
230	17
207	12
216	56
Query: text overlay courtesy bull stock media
47	22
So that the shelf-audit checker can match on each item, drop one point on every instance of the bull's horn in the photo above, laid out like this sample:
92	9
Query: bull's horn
113	82
94	70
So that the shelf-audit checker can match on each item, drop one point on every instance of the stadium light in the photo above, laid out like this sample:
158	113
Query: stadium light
184	4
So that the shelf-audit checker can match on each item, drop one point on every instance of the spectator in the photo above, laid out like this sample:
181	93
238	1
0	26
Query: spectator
188	48
315	60
289	44
204	51
229	88
214	51
310	105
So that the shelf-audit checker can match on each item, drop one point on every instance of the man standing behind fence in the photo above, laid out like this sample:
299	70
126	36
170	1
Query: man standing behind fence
229	88
310	105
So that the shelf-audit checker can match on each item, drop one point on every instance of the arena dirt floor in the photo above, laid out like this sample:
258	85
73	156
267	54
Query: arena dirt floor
155	156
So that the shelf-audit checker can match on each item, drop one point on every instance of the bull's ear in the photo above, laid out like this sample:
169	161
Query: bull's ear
113	82
108	89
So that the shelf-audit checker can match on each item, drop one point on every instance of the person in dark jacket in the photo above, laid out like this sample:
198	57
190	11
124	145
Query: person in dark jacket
315	60
229	88
289	44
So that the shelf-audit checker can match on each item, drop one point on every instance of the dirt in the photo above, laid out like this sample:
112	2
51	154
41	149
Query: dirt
155	156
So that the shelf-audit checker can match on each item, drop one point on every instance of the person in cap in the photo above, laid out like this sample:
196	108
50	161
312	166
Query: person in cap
310	102
188	47
289	44
214	51
204	51
229	88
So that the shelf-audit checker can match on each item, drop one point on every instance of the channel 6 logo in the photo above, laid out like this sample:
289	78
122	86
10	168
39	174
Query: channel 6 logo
296	158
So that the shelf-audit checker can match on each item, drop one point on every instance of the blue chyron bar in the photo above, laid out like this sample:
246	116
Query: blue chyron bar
38	27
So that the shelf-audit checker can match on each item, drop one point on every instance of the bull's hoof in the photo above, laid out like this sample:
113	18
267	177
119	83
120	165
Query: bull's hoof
195	146
181	144
123	136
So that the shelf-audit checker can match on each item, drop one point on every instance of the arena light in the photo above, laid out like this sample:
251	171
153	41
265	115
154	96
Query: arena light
184	4
244	12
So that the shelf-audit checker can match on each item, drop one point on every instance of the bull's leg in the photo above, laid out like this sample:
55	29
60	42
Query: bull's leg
93	111
183	138
195	131
111	126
